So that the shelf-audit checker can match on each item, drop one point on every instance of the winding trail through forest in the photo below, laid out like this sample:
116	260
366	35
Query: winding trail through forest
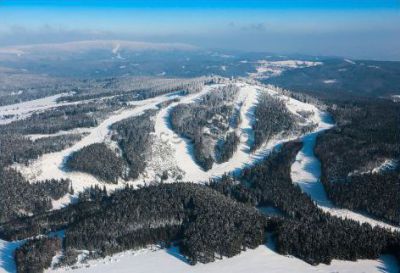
50	165
248	98
306	172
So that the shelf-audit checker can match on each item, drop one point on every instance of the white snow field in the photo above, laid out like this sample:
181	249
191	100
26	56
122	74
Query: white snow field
10	113
7	264
260	260
267	69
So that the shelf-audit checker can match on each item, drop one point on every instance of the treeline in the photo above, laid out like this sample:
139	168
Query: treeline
19	198
123	89
205	224
206	124
98	160
62	118
271	118
367	133
16	148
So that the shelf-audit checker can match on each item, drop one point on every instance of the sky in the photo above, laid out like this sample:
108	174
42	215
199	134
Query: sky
367	29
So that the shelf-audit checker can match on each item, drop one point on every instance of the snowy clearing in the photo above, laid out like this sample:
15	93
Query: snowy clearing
330	81
266	69
260	260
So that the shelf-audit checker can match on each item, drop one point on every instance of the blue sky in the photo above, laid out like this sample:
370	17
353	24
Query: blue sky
351	28
277	4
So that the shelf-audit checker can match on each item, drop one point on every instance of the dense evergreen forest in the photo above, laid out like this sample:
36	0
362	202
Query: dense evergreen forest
16	148
135	146
98	160
205	224
183	213
62	118
271	118
353	153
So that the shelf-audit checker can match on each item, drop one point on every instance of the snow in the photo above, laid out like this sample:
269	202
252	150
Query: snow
267	69
260	260
51	165
248	98
175	153
116	48
396	98
79	46
7	264
24	109
330	81
306	172
63	201
77	131
349	61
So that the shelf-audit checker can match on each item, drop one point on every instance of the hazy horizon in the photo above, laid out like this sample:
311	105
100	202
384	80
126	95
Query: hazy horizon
359	29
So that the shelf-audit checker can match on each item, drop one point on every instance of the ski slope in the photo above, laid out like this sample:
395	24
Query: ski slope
306	172
51	165
248	99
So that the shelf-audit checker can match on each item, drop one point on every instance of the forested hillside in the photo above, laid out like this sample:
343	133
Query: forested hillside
207	122
205	224
353	157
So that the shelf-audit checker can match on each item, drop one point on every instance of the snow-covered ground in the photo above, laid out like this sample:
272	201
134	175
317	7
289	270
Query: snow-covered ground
260	260
267	69
306	172
248	99
7	264
330	81
10	113
396	98
349	61
51	165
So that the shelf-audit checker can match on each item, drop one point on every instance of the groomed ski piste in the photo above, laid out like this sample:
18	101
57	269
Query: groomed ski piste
305	172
